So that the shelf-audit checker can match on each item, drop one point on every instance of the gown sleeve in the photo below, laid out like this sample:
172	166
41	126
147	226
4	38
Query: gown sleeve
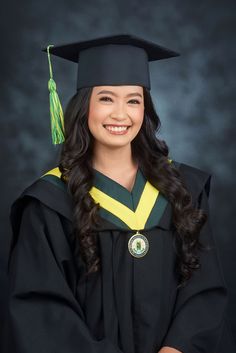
198	318
43	313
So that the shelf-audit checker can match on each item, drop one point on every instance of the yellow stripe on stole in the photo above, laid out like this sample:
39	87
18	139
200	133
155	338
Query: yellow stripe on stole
55	171
135	220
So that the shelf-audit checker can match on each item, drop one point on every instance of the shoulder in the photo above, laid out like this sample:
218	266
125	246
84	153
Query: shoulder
48	191
41	187
195	179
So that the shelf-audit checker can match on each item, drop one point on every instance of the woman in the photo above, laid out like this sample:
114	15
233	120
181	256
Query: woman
112	249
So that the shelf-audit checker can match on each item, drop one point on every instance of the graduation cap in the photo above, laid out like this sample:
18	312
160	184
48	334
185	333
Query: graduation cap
113	60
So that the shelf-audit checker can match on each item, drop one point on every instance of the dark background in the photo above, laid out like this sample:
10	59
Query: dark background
194	95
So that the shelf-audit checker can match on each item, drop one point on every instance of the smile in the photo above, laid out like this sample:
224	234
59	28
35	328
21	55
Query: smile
117	130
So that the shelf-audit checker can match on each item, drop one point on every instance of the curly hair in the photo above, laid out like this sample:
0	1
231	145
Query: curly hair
75	164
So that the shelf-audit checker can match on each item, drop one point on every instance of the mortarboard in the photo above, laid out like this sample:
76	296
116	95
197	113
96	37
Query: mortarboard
112	60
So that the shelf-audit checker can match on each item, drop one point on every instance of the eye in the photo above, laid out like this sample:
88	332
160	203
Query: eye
134	100
105	99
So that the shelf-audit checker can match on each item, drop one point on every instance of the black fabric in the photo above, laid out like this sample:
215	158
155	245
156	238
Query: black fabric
132	306
120	59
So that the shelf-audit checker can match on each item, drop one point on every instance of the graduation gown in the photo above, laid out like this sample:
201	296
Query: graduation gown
131	306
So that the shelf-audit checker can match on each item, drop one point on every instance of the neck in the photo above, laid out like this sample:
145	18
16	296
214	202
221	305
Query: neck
113	160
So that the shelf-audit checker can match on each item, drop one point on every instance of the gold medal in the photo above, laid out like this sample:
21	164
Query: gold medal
138	245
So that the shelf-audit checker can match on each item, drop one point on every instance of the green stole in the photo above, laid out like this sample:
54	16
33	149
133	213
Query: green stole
140	208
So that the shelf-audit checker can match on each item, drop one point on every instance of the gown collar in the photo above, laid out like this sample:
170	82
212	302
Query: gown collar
118	191
136	209
52	191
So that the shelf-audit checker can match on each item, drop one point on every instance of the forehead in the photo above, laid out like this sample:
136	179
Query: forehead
125	89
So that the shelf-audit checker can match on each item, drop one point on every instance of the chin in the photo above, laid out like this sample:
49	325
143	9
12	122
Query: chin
117	144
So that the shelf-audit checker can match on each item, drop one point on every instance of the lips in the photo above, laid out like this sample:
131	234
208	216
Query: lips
116	125
116	129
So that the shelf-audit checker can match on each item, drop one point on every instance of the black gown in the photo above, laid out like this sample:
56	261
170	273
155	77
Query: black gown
133	305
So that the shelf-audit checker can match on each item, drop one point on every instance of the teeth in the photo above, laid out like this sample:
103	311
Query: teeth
116	128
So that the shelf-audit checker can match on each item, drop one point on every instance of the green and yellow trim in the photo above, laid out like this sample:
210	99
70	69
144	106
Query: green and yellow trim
135	220
143	209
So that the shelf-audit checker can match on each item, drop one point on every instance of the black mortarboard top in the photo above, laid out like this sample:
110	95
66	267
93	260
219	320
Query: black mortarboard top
112	60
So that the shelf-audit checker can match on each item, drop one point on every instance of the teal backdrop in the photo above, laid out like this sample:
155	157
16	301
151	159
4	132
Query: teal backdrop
194	95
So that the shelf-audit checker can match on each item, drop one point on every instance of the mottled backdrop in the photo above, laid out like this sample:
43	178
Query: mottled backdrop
194	94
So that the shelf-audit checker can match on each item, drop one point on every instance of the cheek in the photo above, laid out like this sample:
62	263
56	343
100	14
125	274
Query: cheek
138	117
95	117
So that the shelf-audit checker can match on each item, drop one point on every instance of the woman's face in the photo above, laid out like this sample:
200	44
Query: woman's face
115	114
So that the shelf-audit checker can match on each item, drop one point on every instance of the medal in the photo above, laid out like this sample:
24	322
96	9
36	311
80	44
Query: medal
138	245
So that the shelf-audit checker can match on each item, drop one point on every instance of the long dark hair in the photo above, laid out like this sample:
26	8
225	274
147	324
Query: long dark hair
75	164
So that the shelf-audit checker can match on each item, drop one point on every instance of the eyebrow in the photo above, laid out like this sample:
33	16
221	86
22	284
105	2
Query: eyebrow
113	94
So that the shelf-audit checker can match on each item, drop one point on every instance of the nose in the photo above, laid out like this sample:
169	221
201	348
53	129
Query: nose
119	112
